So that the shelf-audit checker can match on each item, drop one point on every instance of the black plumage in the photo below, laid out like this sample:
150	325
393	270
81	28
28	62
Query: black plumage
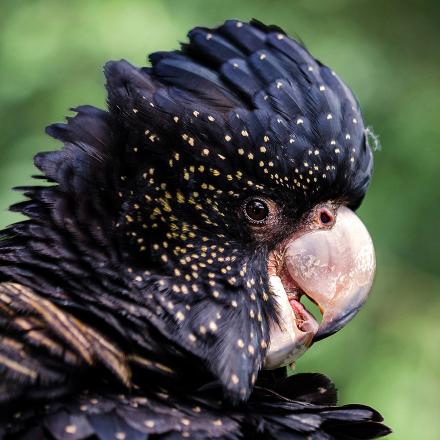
134	299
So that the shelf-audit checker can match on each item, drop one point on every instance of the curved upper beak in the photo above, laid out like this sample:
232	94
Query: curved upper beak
334	268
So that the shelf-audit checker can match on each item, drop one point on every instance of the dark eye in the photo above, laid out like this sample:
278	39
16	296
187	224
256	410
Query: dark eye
256	211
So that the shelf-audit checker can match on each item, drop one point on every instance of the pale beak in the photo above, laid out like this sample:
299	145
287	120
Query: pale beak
335	268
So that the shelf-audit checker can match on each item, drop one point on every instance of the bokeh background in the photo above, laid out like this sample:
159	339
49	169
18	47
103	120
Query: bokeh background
51	57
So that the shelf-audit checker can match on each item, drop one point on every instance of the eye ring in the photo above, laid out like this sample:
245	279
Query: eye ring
256	210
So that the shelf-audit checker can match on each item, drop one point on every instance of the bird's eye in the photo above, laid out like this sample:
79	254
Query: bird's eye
256	211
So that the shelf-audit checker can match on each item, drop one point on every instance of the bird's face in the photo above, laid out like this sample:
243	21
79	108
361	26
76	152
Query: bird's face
244	159
236	228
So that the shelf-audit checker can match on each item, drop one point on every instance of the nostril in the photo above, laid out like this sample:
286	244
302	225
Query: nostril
326	217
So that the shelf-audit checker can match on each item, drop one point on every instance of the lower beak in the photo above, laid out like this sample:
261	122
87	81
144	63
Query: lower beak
333	267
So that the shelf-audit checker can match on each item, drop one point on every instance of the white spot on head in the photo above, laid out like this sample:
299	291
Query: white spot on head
71	429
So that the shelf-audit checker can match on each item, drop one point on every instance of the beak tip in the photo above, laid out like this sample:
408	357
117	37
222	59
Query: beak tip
333	325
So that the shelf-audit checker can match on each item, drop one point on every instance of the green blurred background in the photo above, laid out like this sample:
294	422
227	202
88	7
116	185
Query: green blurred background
51	57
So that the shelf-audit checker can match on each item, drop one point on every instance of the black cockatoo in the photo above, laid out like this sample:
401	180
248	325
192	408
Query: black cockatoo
154	289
